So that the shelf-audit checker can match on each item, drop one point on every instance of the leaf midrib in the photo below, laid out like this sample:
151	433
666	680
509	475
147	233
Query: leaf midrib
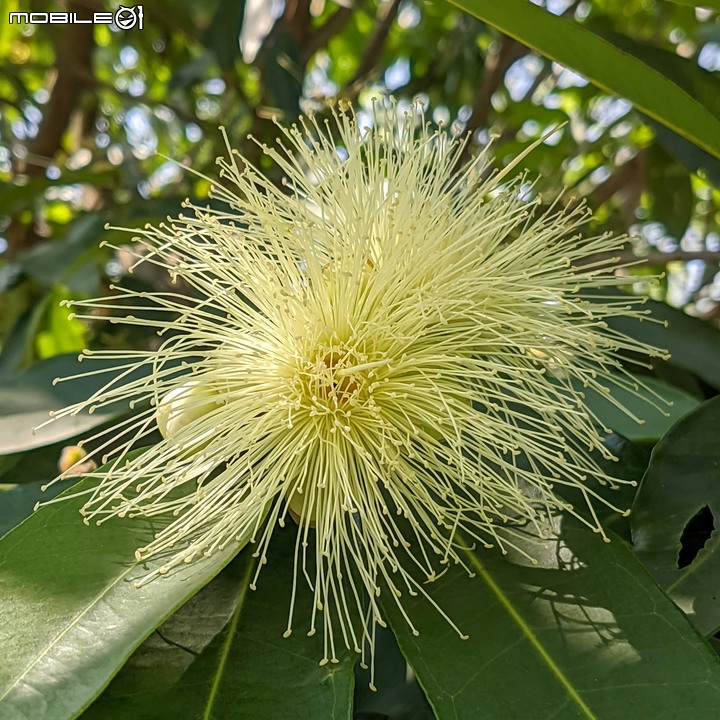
227	645
532	638
70	626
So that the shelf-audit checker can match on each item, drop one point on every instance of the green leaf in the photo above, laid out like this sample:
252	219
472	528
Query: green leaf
397	695
682	480
693	345
16	504
10	275
630	465
27	399
282	67
657	417
674	91
223	655
17	347
669	183
70	614
41	464
585	633
695	159
222	37
66	260
16	197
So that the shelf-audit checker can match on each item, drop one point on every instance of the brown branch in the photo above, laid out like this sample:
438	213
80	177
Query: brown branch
386	17
654	257
73	62
328	30
625	175
540	79
296	19
497	63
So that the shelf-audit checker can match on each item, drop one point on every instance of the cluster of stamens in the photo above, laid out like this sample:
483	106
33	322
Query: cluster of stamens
383	338
331	381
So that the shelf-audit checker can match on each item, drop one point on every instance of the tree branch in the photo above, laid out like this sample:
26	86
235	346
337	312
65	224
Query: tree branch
497	63
328	30
654	257
72	65
623	176
386	15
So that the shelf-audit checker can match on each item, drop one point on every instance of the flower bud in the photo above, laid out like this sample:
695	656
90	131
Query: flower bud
69	461
183	405
301	510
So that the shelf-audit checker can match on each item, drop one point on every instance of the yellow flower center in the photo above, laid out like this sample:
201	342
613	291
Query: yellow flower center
334	379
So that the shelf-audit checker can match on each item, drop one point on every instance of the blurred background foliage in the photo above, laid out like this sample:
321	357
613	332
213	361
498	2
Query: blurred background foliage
97	124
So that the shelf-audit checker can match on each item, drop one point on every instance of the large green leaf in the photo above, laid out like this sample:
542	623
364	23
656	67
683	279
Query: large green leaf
223	655
16	197
70	260
282	66
693	345
669	183
657	417
27	399
683	479
16	504
695	159
70	613
674	91
222	36
397	694
34	466
17	348
585	633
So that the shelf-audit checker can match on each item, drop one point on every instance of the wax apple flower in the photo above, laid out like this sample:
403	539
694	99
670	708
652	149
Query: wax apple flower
387	350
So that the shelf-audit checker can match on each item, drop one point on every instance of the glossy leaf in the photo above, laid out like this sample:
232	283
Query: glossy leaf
223	35
27	399
17	348
41	464
693	345
223	655
585	633
630	463
682	479
282	67
65	260
695	159
397	695
70	613
669	183
674	91
649	404
17	196
18	503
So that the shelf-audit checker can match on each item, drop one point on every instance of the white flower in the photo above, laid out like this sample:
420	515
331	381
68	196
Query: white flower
385	349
